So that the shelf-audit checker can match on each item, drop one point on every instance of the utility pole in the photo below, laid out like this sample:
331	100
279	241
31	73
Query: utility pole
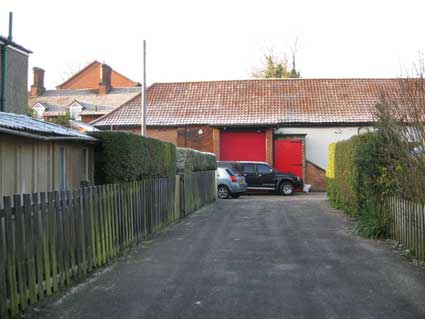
144	93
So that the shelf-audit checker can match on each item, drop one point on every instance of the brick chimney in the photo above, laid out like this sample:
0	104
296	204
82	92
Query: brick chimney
105	79
37	88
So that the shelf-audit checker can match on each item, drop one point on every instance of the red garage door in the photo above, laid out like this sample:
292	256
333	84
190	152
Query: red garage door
288	156
243	146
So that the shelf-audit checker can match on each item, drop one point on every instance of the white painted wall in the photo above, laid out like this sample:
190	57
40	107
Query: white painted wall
318	140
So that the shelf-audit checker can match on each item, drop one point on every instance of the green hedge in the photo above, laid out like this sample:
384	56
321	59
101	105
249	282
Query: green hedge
123	157
189	160
359	179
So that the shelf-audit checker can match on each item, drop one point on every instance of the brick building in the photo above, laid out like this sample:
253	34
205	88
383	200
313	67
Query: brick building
94	91
287	122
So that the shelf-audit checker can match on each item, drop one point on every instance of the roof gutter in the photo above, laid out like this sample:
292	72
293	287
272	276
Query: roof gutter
46	138
4	67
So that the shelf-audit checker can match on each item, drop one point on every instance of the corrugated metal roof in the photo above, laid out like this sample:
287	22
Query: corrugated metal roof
256	102
26	124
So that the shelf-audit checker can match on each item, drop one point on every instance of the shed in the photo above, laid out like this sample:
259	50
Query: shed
36	156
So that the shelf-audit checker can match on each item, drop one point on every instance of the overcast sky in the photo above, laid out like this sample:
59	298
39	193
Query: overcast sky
214	40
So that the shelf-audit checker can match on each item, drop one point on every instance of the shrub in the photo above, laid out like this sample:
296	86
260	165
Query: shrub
189	160
123	157
359	178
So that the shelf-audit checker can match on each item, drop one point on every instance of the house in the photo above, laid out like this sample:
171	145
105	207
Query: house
13	76
38	156
94	91
287	122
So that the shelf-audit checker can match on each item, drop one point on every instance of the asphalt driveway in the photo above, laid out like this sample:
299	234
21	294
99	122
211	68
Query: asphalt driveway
254	257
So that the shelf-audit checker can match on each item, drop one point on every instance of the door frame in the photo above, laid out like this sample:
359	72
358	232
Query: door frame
301	137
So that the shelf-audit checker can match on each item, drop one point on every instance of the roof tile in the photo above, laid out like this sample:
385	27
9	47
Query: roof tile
256	102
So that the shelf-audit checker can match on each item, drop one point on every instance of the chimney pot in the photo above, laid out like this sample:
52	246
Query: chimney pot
37	88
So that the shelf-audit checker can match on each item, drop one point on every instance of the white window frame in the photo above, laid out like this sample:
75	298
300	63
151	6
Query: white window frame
75	110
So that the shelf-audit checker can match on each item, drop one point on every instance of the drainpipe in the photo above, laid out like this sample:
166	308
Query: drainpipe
4	67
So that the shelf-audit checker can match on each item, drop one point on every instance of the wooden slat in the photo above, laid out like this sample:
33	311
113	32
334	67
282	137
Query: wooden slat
3	266
83	231
88	204
11	238
21	251
66	238
39	253
52	217
73	244
101	221
60	249
78	222
45	236
29	249
97	240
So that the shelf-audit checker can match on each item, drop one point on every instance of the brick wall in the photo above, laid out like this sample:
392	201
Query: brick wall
163	134
89	79
89	118
316	177
197	137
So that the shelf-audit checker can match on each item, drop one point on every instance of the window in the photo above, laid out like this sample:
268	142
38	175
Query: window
248	168
75	111
85	164
263	169
62	168
230	172
39	111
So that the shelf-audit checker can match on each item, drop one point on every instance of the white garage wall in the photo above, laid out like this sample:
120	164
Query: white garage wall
318	140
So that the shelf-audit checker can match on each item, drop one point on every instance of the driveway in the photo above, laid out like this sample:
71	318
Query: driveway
255	257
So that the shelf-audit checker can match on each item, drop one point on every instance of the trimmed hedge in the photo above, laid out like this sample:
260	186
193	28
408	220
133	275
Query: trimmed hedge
189	160
358	179
124	157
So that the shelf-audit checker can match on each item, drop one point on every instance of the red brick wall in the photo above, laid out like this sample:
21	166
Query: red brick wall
316	177
89	118
182	136
190	137
90	78
163	134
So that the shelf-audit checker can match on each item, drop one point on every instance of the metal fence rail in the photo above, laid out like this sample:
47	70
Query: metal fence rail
407	225
49	240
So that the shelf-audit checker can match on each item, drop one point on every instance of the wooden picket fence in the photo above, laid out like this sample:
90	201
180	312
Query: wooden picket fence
49	240
407	225
198	188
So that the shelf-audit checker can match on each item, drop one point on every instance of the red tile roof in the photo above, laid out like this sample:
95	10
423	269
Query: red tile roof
256	102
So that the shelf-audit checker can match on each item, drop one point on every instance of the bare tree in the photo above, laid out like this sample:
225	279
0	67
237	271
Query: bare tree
401	120
277	66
